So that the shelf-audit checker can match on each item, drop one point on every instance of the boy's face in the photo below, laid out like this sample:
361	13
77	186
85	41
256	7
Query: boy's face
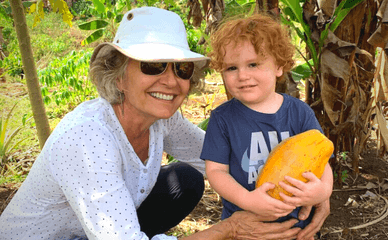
250	78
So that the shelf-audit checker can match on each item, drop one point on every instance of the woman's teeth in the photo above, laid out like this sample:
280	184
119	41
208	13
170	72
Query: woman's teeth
162	96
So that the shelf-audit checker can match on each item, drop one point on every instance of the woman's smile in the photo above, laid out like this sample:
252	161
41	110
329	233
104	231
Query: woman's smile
162	96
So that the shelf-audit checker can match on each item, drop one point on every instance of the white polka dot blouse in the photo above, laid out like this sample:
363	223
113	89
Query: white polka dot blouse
88	181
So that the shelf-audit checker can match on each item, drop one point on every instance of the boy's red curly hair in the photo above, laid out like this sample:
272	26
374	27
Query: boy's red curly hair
262	31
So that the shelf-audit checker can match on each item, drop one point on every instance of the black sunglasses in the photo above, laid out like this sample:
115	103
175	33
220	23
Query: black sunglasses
182	70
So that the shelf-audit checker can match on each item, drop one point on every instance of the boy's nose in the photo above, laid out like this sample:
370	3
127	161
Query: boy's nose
243	75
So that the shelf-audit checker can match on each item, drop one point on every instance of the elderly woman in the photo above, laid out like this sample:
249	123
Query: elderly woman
99	175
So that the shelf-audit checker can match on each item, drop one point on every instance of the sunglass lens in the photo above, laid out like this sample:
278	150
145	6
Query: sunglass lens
152	68
184	70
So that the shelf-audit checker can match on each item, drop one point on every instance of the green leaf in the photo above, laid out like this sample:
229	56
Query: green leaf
242	2
171	2
99	6
93	37
203	125
4	14
129	4
27	4
290	13
302	71
119	17
93	25
342	11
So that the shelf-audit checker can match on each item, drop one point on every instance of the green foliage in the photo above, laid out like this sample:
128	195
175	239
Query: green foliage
5	12
344	175
108	15
12	64
294	18
7	136
64	80
82	8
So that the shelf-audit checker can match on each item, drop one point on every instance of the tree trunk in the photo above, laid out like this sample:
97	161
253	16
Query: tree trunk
34	93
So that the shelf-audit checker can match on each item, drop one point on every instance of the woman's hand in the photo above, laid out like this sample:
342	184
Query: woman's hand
247	225
258	201
322	211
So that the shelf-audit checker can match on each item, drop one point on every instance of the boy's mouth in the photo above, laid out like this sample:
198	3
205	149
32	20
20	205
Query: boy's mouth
247	86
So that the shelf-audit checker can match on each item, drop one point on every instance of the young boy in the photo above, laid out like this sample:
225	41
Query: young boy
252	54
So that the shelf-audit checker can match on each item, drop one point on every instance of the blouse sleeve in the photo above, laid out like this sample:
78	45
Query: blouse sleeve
184	141
88	167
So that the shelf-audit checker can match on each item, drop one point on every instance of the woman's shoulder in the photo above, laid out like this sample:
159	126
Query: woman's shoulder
90	116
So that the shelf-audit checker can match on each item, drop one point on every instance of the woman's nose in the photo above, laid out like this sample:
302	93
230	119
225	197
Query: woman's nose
168	77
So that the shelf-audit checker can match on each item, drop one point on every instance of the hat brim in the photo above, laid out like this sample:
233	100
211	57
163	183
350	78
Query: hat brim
153	52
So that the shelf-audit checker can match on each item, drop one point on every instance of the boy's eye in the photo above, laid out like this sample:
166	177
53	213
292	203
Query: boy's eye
253	64
231	68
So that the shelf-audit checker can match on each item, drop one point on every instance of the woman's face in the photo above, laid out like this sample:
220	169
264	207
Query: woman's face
152	96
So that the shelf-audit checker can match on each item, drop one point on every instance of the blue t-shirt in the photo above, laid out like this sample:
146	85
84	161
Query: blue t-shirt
242	138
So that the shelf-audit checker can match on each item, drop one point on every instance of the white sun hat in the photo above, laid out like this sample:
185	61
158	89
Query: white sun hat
153	35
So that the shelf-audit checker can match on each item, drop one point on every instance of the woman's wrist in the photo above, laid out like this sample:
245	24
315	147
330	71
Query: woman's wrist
230	225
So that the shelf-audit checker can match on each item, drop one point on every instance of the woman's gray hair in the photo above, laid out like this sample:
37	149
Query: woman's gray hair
106	70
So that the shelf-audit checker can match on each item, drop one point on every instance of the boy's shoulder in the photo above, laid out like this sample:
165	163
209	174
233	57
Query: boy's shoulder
226	107
288	99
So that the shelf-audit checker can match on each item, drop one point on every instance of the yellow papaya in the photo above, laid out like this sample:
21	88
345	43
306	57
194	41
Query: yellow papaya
305	152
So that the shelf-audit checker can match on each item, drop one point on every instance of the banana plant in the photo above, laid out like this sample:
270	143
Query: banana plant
293	17
107	15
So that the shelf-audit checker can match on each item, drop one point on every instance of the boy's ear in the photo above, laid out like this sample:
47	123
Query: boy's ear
279	72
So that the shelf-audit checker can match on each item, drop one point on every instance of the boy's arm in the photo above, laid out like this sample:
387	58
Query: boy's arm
224	184
308	194
257	201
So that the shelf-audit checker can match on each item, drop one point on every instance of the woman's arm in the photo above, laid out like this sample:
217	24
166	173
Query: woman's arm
184	140
322	211
246	225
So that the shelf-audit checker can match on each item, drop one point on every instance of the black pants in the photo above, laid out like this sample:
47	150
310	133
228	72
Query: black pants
178	189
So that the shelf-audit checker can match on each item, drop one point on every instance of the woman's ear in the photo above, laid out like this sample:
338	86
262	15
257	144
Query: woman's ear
119	84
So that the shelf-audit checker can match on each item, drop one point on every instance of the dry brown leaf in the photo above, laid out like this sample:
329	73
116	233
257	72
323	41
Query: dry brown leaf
327	6
332	65
195	13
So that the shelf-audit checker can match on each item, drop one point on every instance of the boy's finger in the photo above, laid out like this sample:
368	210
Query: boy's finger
294	201
294	190
310	176
297	183
267	186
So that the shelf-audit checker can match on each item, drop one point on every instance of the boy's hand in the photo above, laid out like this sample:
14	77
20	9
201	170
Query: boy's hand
259	202
313	192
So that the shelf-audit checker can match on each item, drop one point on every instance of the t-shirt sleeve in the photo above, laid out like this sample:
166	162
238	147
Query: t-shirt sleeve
87	165
310	120
184	141
216	146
